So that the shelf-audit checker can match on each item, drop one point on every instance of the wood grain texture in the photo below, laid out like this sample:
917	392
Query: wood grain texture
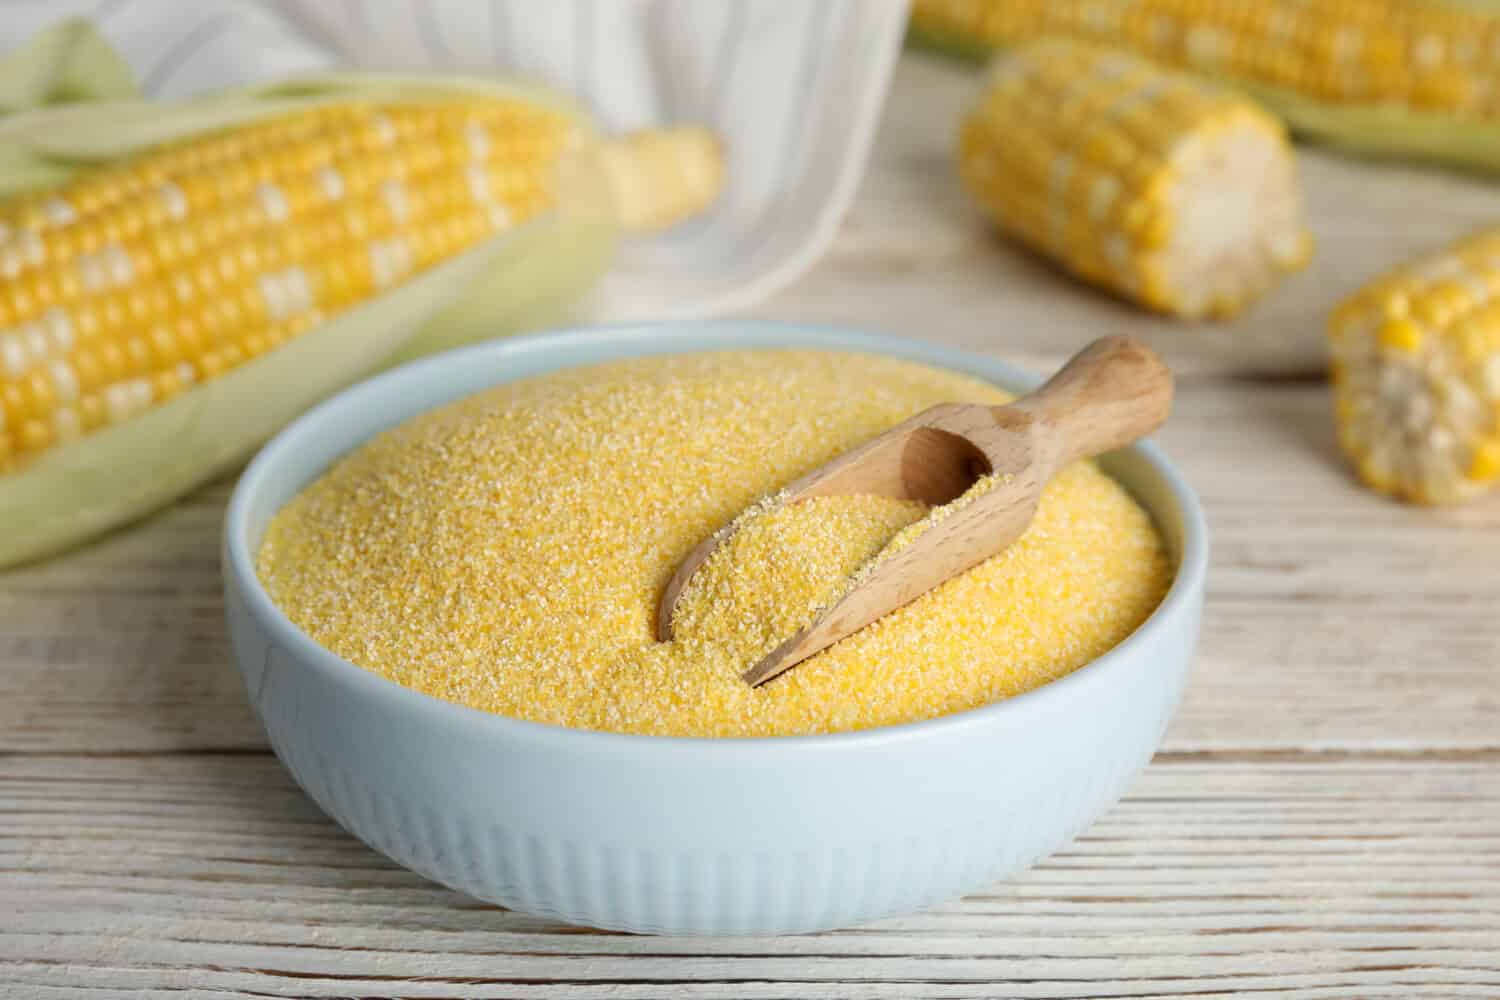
1302	880
917	257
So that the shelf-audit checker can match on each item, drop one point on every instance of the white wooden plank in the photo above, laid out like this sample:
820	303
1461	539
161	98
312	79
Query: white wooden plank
1307	878
917	257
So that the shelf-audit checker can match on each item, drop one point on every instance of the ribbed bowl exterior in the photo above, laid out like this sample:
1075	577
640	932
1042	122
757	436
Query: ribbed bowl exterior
694	836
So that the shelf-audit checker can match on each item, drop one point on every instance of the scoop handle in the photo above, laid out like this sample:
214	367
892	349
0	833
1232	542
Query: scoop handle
1113	392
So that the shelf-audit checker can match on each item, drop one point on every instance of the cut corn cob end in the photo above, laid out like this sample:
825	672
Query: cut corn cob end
1416	373
659	177
1168	191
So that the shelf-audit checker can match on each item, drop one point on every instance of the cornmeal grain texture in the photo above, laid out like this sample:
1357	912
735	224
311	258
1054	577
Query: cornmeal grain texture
507	552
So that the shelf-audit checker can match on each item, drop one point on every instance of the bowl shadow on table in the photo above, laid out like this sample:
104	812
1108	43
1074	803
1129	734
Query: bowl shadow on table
281	837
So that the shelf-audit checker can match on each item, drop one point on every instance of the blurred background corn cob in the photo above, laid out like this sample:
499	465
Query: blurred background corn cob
1416	374
1403	77
1171	192
186	278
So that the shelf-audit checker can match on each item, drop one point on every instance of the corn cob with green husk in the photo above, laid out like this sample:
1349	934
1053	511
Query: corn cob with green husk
1397	77
1416	375
178	281
1168	191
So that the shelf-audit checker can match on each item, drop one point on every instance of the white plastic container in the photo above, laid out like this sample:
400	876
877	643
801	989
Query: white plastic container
696	836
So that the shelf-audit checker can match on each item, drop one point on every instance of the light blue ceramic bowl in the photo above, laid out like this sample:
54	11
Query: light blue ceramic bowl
695	836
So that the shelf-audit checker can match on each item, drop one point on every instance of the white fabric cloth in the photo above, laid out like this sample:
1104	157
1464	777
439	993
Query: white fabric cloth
793	88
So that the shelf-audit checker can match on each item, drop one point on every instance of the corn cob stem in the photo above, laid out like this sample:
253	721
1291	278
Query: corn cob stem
1167	191
1416	371
661	176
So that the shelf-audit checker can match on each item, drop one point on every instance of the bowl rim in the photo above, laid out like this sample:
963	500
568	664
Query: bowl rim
706	335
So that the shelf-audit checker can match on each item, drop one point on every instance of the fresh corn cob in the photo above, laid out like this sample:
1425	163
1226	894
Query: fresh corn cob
1387	76
1416	374
1172	193
131	284
163	311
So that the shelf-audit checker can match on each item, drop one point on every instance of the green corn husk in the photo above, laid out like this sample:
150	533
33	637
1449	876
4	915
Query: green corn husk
1376	131
65	63
529	277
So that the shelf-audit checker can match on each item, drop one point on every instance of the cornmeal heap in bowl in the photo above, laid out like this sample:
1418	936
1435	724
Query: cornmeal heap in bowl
507	552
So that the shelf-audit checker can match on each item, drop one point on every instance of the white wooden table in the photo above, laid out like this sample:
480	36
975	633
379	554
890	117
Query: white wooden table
1323	820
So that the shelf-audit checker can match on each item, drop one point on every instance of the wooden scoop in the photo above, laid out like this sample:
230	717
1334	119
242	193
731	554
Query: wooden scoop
1111	393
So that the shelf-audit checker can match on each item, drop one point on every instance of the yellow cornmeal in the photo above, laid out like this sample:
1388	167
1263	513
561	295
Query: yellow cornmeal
507	552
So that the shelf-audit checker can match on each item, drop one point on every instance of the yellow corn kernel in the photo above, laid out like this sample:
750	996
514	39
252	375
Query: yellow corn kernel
13	404
35	435
138	355
43	289
1484	466
91	411
1401	335
112	361
41	396
210	365
166	384
88	369
188	331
